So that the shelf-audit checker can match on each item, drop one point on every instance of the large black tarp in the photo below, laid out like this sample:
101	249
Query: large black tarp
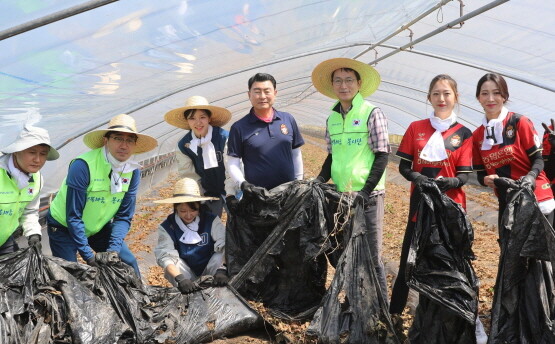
524	301
439	268
48	300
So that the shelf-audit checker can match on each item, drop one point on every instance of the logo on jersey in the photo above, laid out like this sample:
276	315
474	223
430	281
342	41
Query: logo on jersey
546	186
455	140
537	141
284	130
204	239
29	191
510	132
420	137
356	122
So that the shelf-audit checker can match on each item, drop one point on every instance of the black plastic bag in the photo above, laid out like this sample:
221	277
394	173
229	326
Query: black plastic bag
439	268
353	310
523	308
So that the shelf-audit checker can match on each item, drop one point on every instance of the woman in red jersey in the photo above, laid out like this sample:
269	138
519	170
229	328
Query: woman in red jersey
436	148
507	145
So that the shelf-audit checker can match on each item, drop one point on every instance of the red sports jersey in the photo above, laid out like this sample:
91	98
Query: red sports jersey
458	145
511	158
547	149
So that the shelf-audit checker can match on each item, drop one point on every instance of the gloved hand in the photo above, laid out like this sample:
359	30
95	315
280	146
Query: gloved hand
185	286
34	240
505	183
232	204
107	258
220	278
363	197
551	134
420	180
528	181
92	262
247	187
448	183
320	179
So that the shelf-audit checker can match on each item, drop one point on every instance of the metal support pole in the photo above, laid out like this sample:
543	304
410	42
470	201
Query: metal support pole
51	18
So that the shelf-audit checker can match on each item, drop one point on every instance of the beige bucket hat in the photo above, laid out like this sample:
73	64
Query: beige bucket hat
321	76
185	190
176	117
31	136
124	124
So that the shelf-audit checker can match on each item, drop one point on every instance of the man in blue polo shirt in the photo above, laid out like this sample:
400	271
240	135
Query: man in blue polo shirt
266	141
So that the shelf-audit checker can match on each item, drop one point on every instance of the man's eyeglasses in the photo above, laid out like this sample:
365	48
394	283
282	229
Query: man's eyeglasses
129	140
348	82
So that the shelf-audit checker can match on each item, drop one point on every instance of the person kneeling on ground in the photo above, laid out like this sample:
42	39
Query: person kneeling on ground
191	240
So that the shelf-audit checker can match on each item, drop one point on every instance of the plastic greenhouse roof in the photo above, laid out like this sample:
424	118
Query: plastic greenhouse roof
145	57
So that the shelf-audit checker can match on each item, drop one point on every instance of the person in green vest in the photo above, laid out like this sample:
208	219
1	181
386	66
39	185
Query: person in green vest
92	212
358	144
20	186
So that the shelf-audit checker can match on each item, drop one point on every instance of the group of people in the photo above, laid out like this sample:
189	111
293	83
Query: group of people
92	212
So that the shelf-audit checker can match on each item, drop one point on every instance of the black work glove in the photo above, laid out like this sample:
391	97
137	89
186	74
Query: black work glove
505	183
362	197
185	286
550	133
445	184
107	258
220	278
420	180
247	187
232	204
528	181
92	262
34	240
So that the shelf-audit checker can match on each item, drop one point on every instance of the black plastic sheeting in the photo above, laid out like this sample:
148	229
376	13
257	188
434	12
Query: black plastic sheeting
353	310
524	301
439	268
48	300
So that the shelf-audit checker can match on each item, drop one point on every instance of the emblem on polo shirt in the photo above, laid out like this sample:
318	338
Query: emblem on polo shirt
510	132
29	191
420	137
455	140
284	129
356	122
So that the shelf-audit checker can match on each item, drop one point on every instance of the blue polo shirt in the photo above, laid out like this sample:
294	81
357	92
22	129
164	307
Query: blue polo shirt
265	148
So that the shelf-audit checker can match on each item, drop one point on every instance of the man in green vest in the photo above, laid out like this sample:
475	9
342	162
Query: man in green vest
20	185
358	143
92	212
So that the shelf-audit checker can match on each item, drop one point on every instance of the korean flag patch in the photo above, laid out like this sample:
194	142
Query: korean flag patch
356	122
29	191
125	181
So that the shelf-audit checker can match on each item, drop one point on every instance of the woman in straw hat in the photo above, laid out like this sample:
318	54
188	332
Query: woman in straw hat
20	185
201	151
92	212
191	240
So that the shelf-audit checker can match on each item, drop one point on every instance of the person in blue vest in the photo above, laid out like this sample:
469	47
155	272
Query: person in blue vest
200	153
92	212
20	186
191	241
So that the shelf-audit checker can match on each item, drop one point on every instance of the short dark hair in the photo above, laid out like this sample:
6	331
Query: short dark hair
189	112
260	77
357	75
499	81
192	205
112	132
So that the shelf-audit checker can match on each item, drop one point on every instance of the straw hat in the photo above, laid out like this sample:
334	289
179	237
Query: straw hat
124	124
321	76
31	136
176	117
185	190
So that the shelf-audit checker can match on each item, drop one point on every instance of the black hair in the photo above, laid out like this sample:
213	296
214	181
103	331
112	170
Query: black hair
192	205
260	77
499	81
111	132
357	75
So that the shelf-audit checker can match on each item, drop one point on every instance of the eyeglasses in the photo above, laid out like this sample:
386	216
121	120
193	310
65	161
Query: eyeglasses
348	82
120	139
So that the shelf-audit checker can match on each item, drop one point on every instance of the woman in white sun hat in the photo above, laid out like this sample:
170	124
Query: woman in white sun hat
20	185
201	152
191	240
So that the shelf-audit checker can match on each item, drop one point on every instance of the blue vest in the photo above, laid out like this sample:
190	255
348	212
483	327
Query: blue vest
212	180
195	255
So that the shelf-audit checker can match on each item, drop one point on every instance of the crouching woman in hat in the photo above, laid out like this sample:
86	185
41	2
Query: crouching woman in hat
200	153
92	212
191	240
20	185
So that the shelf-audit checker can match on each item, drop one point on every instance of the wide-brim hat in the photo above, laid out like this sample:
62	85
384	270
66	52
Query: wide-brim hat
321	76
185	190
124	124
218	118
31	136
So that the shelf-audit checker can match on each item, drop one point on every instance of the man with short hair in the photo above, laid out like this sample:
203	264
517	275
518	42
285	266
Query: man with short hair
358	143
92	212
266	141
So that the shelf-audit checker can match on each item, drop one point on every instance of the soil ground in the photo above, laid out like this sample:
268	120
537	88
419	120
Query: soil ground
482	210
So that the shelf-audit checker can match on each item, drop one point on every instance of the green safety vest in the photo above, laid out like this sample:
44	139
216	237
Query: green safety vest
101	205
13	202
352	157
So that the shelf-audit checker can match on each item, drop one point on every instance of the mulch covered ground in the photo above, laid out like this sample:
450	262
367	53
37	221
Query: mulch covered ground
142	240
